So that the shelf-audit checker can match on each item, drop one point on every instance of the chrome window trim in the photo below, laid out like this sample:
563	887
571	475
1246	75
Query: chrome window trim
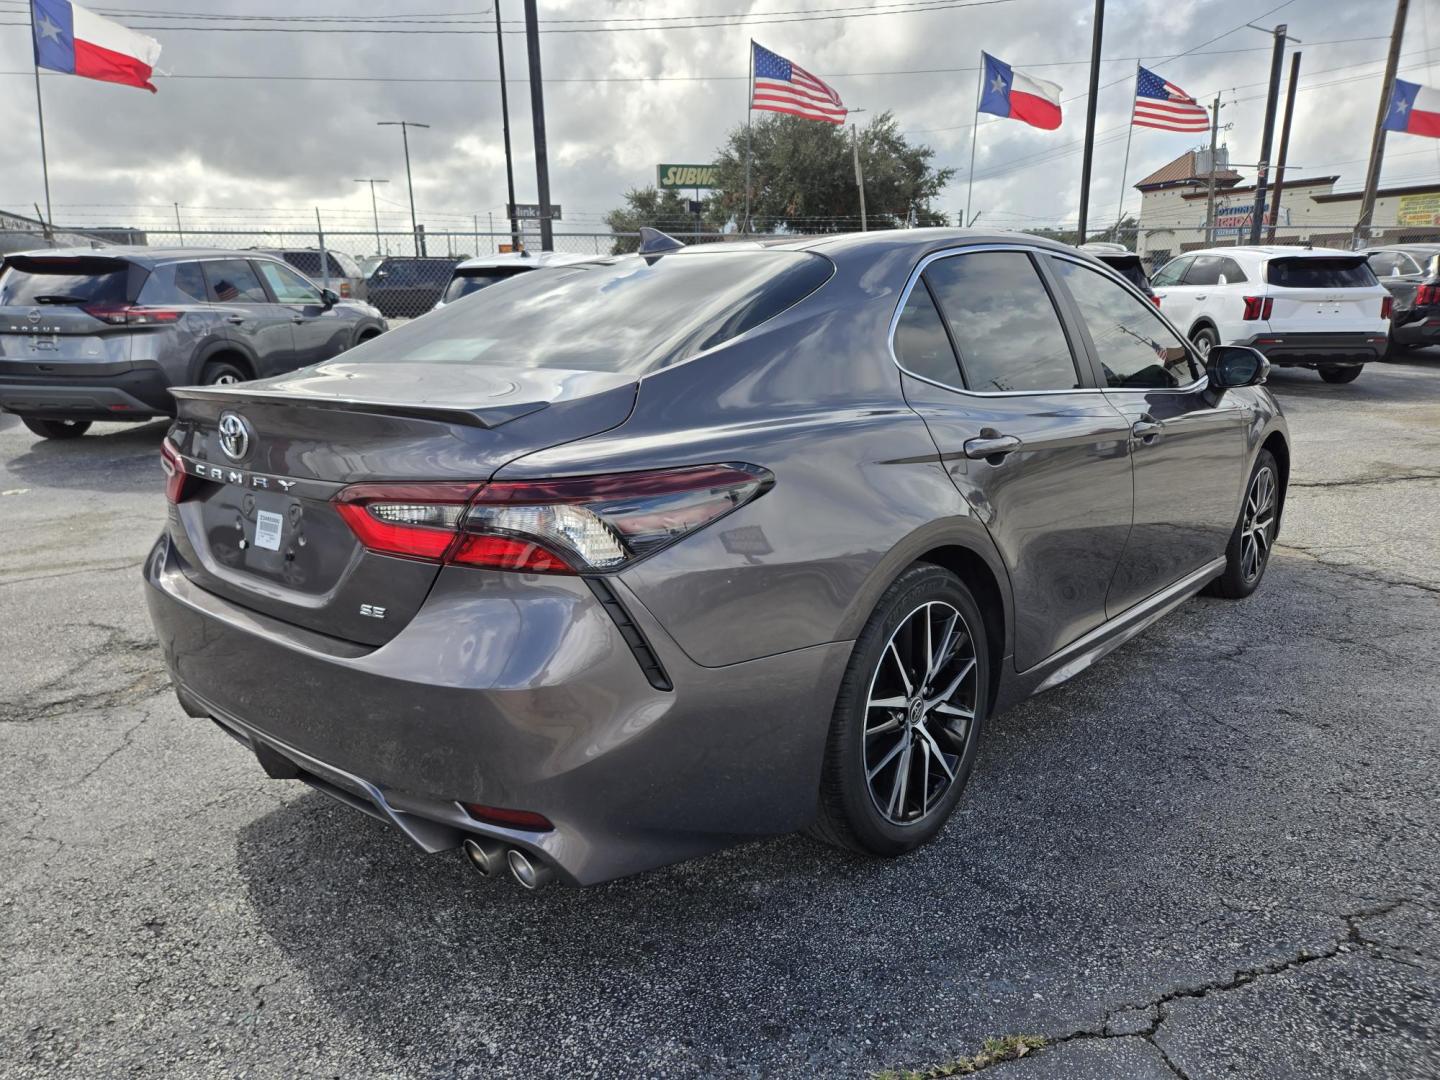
934	256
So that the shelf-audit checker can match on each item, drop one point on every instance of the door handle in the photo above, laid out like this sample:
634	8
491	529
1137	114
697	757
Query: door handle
995	446
236	319
297	318
1146	428
1201	296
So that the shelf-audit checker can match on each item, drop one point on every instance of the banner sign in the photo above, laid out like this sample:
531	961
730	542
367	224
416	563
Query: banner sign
531	211
1419	210
687	176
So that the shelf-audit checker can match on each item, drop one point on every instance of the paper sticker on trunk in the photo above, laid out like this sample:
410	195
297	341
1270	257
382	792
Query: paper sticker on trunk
267	530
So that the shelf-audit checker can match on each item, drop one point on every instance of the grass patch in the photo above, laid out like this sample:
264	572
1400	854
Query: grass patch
994	1051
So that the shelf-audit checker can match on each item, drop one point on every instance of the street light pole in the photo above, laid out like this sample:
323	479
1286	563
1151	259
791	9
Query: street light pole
405	126
537	118
374	208
505	126
1267	135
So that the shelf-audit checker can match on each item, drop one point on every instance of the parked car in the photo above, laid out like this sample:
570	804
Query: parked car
612	566
1412	274
1125	263
1317	308
107	334
472	275
403	287
343	272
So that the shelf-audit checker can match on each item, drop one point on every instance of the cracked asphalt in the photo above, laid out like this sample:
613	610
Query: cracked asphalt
1216	854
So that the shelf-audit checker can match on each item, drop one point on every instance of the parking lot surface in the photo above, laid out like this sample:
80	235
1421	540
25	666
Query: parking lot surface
1216	853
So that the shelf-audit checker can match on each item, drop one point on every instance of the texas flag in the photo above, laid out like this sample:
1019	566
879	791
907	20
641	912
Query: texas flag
78	42
1014	94
1414	109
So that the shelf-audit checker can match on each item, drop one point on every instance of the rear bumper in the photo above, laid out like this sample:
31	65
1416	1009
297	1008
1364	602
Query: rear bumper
136	393
519	693
1423	331
1319	349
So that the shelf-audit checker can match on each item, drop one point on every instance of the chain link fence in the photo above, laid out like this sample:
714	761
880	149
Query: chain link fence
404	274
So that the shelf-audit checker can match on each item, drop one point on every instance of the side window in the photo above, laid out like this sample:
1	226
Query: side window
1172	272
1004	323
921	344
1205	270
1230	272
177	283
1407	265
232	281
307	262
1384	263
1135	348
288	286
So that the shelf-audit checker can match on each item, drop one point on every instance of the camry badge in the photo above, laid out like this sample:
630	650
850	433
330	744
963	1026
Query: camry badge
234	435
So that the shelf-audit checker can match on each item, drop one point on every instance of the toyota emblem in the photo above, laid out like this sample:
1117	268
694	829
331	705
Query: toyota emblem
234	435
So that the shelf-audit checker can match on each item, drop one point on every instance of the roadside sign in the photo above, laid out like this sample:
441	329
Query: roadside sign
687	176
531	211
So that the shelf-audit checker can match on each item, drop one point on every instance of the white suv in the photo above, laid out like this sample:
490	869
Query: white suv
1319	308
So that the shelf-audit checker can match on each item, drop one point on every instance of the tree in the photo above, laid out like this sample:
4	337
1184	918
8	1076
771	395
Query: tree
666	210
803	175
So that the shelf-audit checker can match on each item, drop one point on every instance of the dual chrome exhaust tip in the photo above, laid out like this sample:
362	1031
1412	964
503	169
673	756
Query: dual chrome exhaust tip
492	858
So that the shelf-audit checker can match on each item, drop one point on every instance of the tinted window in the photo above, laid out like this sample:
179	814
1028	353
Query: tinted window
1205	270
307	262
288	286
466	282
64	281
1321	273
177	283
412	272
1172	271
234	282
1003	322
1231	271
1135	348
921	344
628	315
1131	270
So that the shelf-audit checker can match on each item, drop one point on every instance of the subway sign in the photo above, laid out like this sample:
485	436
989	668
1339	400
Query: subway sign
687	176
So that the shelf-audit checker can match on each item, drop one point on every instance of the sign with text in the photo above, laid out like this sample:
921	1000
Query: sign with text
531	211
687	176
1418	209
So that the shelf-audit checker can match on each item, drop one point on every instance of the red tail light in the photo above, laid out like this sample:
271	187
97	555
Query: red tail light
130	314
176	480
511	819
566	526
1426	294
1386	306
1154	299
345	290
1258	307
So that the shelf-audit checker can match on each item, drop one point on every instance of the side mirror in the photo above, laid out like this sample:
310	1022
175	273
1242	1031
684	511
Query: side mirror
1233	366
329	297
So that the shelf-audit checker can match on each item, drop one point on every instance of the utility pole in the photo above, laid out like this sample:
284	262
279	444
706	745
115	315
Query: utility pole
1284	146
1210	187
405	126
505	125
537	115
1377	144
1099	33
859	174
374	207
1267	136
180	229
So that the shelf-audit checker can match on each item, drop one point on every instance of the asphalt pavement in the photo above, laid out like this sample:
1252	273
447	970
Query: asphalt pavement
1215	854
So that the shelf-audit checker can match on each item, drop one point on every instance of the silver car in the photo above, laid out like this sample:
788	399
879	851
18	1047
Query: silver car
618	564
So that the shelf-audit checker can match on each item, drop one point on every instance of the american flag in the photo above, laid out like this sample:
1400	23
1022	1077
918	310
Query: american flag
1161	104
783	87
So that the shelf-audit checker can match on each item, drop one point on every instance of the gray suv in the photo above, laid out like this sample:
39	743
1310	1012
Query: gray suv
103	334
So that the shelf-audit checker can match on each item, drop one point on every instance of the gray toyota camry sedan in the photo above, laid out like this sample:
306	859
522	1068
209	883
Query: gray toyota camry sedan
617	563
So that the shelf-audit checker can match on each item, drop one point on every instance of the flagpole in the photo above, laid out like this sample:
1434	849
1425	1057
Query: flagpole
749	113
974	130
40	114
1125	169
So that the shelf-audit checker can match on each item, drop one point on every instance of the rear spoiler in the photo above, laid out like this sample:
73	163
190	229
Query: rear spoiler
1333	260
478	416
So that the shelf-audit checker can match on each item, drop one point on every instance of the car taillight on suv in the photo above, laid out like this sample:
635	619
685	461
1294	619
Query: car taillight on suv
1387	306
1427	294
131	314
1258	307
567	526
345	290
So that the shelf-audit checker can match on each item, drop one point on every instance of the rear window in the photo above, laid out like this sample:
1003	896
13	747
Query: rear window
308	263
466	282
30	281
1130	268
631	315
1321	273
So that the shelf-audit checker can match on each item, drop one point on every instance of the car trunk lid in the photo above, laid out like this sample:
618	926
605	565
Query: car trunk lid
58	314
259	524
1319	294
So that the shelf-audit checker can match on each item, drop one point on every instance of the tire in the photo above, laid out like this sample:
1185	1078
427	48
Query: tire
56	429
863	766
223	373
1340	374
1205	339
1241	578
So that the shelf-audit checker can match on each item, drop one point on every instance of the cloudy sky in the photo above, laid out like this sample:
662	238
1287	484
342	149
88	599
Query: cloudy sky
295	122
